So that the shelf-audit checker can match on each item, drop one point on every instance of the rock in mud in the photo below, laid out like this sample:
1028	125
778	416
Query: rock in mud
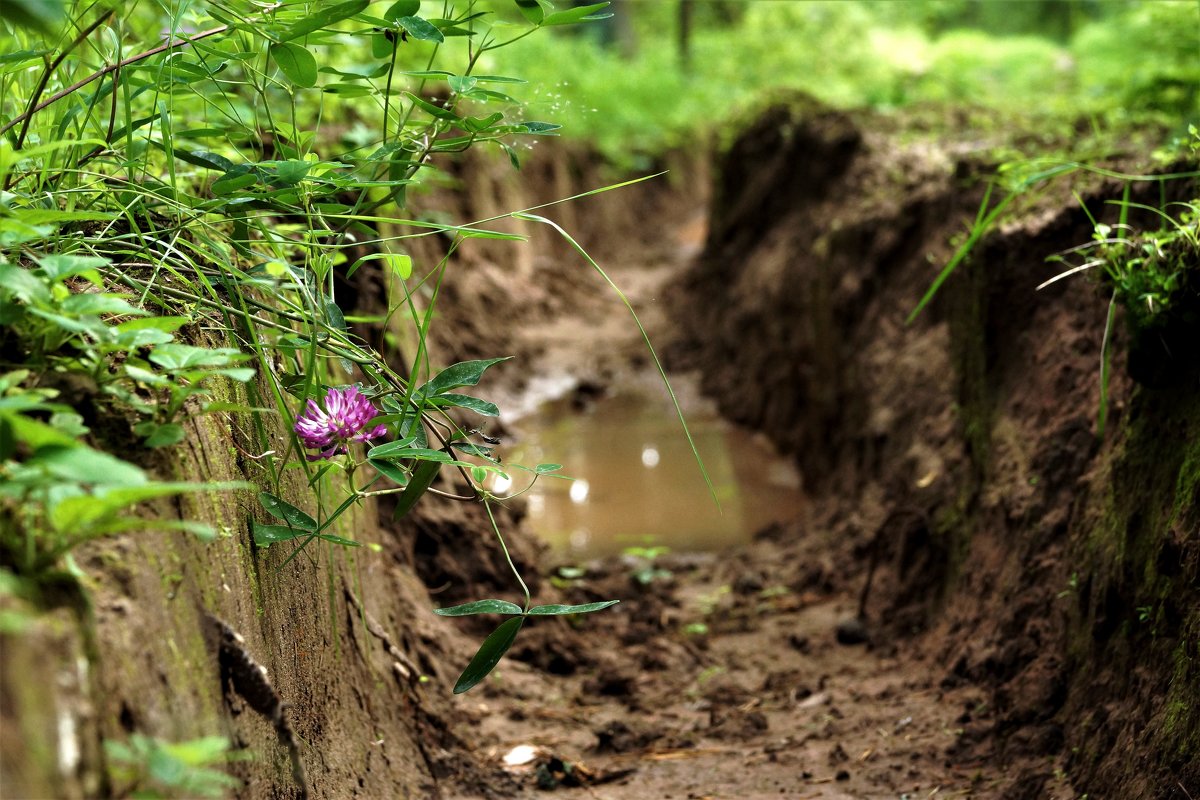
852	630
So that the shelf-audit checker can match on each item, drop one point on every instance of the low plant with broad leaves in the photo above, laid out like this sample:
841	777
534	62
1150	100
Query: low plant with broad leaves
185	189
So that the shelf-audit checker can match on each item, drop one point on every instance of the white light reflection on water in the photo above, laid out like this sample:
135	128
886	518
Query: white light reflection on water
636	482
650	456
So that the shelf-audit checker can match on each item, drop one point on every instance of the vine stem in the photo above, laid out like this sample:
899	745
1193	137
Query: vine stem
492	518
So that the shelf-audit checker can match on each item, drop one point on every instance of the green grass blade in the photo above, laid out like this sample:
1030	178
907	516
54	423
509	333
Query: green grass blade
645	338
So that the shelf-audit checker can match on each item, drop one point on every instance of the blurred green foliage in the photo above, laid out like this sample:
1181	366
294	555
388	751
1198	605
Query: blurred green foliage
632	87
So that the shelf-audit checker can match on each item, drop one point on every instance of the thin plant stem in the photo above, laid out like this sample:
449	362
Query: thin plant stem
500	538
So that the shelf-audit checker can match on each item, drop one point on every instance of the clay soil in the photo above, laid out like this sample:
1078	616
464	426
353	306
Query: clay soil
726	679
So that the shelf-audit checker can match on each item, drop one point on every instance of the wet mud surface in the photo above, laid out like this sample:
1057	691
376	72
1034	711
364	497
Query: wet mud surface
745	673
727	680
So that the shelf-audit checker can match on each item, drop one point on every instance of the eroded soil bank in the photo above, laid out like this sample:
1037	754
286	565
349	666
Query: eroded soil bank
1019	552
1031	627
1004	651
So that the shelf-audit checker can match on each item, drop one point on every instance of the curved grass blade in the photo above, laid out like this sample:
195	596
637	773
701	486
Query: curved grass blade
645	338
983	223
489	654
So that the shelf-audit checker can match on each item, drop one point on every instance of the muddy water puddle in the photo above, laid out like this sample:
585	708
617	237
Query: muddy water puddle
636	483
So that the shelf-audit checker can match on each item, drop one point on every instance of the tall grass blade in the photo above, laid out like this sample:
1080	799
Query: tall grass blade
645	338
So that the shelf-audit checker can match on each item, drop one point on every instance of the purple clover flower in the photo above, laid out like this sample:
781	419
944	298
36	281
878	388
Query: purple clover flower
344	420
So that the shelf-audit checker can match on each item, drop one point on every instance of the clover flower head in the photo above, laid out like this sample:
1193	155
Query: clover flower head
343	420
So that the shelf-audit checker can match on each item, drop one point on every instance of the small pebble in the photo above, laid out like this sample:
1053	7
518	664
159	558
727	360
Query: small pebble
852	631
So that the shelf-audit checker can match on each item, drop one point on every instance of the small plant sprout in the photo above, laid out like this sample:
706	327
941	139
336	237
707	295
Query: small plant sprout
343	420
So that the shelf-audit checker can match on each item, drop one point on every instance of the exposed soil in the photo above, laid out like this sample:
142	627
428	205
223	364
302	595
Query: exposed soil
746	674
954	459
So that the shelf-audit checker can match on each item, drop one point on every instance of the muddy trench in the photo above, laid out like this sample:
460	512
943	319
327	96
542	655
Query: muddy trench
927	577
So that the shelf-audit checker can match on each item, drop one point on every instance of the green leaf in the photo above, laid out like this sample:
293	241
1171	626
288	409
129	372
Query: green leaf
402	8
334	317
41	15
203	159
464	373
546	469
498	79
325	17
431	109
146	376
462	84
534	10
296	63
20	59
400	263
24	284
420	29
267	535
556	610
427	73
419	453
37	434
422	479
287	512
475	233
85	465
329	537
480	124
390	470
538	127
230	183
411	426
86	511
381	46
58	267
391	448
165	435
100	304
479	607
166	324
348	90
452	400
290	172
185	356
489	654
573	15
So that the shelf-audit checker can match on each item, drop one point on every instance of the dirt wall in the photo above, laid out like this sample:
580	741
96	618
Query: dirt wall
163	635
1053	566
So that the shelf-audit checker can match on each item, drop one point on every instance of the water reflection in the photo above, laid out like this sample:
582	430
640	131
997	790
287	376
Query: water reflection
637	484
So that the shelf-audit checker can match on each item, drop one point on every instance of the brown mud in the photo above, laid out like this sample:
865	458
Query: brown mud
726	678
1027	633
